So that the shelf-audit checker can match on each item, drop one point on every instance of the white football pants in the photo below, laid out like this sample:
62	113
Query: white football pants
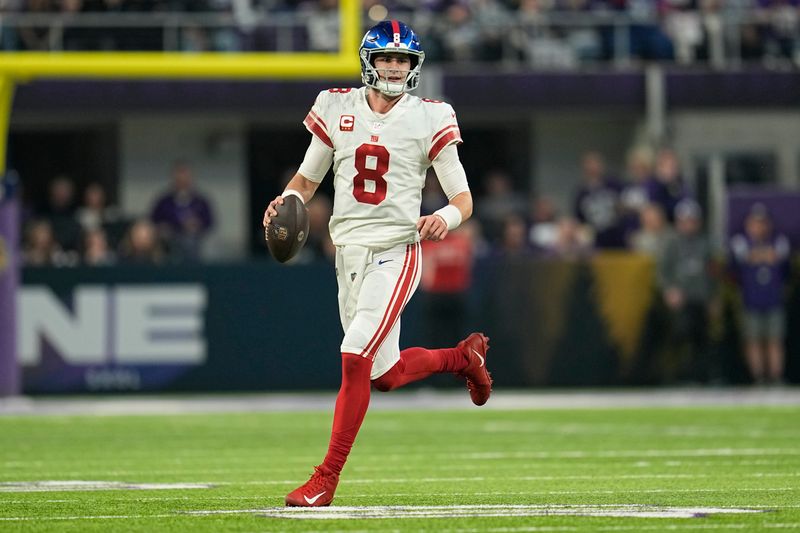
374	287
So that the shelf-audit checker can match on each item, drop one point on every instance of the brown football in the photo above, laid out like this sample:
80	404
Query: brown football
287	232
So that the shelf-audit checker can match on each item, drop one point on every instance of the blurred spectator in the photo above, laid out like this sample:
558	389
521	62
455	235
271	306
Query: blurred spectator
572	241
492	19
683	23
641	188
9	38
95	211
41	248
687	287
96	251
648	41
752	42
514	239
75	37
36	38
597	202
782	33
760	258
459	33
183	215
319	241
544	222
671	187
500	202
323	26
141	245
60	212
654	234
583	40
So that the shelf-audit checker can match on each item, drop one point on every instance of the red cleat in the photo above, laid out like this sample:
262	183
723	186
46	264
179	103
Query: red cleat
479	381
316	492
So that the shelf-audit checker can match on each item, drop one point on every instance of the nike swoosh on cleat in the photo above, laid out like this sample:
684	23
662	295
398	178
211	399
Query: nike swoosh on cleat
313	500
479	355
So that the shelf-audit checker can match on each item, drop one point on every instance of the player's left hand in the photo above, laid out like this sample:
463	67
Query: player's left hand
432	228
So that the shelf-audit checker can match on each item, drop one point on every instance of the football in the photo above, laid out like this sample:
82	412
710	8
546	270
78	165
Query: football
287	232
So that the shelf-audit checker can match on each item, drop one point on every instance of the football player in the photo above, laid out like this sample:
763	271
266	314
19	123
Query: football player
380	141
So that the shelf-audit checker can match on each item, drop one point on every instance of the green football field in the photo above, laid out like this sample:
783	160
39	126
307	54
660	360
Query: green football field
661	469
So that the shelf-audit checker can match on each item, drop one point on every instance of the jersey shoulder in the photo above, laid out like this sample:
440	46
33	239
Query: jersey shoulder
436	110
337	97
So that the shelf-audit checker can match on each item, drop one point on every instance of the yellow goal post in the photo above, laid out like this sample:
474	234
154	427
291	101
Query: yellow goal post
21	67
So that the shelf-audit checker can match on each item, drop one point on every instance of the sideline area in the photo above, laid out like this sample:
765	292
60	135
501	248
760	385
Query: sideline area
418	399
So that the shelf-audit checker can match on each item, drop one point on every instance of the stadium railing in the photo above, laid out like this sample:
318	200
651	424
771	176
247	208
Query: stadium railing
720	33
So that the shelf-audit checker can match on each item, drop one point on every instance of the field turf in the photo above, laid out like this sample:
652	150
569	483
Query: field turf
459	470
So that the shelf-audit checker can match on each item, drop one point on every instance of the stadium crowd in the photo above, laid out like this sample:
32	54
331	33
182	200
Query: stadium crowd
547	33
60	231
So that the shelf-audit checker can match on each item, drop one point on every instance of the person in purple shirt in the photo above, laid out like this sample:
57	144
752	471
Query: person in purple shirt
760	258
670	188
597	203
183	215
640	190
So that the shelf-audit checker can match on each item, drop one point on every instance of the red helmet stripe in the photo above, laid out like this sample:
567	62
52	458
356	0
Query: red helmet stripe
396	32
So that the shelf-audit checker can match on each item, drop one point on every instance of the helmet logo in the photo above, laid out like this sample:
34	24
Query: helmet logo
396	39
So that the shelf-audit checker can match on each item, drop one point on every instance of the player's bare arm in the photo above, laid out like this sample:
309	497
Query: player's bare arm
434	227
298	183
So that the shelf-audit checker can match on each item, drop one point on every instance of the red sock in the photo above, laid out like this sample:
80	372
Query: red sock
419	363
351	406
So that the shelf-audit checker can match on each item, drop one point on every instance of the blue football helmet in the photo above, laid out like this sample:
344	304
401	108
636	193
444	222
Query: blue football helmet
390	36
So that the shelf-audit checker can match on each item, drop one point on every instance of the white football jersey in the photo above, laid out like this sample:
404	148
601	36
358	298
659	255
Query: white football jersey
379	162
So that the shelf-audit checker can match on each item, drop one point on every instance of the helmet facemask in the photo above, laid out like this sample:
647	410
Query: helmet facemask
371	76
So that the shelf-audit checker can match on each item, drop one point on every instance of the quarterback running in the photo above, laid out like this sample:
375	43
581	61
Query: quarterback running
381	141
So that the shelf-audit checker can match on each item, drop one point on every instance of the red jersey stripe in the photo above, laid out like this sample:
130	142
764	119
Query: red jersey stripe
453	136
443	130
317	130
318	119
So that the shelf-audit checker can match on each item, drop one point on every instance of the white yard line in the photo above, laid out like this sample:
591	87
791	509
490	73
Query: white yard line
429	511
664	527
85	517
487	511
82	485
580	454
265	497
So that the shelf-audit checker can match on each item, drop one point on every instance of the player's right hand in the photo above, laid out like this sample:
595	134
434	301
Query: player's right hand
272	210
432	228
